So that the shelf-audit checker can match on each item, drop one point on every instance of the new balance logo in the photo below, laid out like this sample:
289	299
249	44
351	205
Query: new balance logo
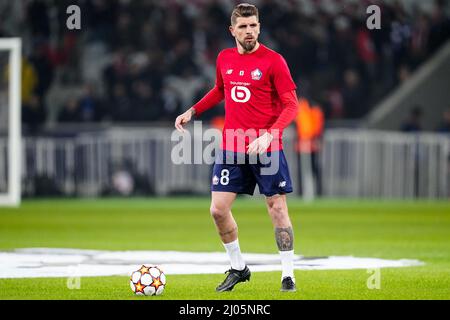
282	184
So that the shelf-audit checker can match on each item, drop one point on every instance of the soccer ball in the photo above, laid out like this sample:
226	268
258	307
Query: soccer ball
148	281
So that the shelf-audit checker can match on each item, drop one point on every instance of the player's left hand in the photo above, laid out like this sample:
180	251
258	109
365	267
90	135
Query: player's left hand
260	145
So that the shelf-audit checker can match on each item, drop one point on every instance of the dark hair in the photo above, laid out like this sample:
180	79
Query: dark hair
244	10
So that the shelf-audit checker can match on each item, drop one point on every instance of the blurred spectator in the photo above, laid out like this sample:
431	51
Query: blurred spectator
125	31
29	81
70	111
414	121
419	41
440	26
119	107
186	85
101	19
33	113
341	38
181	59
310	125
403	73
335	103
38	19
354	95
146	106
366	50
44	69
171	103
158	54
116	72
90	106
444	127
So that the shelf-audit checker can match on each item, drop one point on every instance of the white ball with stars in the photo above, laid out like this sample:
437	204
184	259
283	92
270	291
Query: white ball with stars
148	281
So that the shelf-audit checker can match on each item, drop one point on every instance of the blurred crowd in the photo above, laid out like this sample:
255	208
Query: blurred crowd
149	60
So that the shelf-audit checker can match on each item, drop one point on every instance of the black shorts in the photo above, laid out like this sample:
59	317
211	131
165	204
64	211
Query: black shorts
239	173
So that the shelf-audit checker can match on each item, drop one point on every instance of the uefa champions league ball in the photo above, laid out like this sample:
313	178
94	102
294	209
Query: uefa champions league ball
148	281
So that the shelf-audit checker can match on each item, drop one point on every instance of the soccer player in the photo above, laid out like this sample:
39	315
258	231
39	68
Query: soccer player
260	101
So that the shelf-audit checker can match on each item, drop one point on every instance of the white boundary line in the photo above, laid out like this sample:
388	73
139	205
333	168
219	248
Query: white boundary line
52	262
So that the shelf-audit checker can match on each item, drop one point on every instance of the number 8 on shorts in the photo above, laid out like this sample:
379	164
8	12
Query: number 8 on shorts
225	177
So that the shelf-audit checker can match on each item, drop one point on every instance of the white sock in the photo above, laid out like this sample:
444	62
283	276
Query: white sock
234	253
287	264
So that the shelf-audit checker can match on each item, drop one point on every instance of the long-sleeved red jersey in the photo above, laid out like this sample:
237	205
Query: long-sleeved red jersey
259	96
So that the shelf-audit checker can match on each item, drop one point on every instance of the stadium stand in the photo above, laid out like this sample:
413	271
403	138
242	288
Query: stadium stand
147	60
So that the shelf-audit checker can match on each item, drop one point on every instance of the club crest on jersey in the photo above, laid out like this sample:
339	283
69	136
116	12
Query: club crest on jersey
256	74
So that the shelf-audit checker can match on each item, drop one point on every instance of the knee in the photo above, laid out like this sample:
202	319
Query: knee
277	210
218	212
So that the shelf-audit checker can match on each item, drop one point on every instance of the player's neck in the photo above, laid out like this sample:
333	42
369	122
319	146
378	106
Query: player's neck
241	50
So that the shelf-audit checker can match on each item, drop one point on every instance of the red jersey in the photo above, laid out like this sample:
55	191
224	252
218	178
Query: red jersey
252	85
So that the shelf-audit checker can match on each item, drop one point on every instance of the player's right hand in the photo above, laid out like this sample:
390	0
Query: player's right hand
183	119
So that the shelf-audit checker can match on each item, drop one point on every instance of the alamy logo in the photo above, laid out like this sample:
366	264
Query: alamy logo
374	281
206	146
240	94
374	20
74	20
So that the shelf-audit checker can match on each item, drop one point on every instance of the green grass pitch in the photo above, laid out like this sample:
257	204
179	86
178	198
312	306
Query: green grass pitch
383	229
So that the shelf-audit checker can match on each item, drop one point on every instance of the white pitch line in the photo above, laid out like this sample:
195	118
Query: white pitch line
53	262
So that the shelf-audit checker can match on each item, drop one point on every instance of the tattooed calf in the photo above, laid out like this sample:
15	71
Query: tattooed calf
285	238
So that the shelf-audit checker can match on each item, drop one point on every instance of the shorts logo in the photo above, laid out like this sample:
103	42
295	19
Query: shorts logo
240	94
256	74
282	184
215	180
